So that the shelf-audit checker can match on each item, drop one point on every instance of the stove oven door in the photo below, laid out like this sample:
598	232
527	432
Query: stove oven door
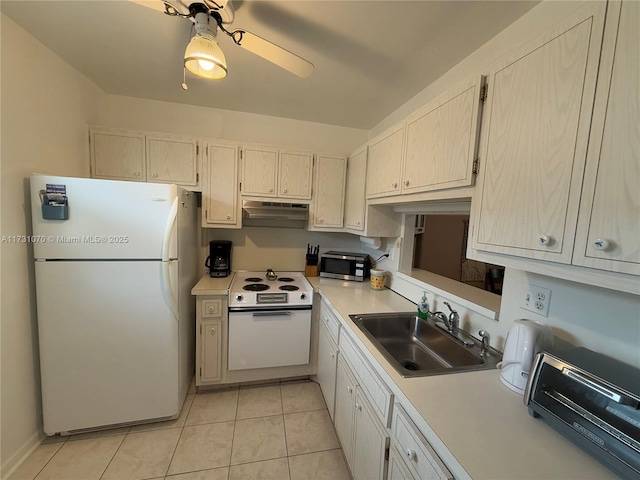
261	339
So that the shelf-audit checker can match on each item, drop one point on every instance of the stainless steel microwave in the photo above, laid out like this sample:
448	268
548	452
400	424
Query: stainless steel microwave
345	265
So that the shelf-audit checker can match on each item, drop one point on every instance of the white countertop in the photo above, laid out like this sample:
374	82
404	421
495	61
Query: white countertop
481	429
212	285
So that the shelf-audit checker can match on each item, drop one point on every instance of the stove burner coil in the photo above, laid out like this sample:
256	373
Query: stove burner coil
286	279
256	287
253	279
289	288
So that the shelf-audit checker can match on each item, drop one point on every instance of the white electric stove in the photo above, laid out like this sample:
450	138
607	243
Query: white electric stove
269	320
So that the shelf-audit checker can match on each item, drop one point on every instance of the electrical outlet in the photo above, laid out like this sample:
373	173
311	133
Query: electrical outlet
536	299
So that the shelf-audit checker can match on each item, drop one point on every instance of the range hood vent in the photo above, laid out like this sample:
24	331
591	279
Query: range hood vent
274	214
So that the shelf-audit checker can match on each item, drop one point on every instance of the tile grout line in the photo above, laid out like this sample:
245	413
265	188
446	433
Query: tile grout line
181	431
114	454
284	427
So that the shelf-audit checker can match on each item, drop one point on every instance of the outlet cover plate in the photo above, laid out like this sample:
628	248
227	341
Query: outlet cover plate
535	299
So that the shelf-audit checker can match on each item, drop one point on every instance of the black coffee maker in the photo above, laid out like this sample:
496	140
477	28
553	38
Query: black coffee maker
219	259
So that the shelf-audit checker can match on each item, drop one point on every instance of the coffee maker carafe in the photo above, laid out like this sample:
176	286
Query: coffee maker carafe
219	259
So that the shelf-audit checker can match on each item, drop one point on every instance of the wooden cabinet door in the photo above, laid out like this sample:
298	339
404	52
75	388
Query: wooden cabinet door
536	130
397	469
610	206
355	190
345	408
259	171
327	361
294	175
330	176
220	201
370	442
442	138
385	162
172	160
117	155
211	351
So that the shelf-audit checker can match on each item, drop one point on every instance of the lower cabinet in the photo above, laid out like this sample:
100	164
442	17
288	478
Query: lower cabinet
364	440
370	442
397	469
327	362
211	320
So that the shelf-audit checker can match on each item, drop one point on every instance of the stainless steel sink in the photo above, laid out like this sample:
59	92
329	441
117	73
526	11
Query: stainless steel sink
417	347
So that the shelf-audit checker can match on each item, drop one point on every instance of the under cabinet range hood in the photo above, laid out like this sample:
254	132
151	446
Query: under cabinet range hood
274	214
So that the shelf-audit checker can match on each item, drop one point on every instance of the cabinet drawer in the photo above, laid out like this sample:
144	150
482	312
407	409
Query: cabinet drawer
421	459
330	322
376	391
212	308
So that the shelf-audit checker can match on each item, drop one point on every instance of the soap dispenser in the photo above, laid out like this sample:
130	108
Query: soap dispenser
423	306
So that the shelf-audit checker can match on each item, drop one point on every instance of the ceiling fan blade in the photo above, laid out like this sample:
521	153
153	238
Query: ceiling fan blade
273	53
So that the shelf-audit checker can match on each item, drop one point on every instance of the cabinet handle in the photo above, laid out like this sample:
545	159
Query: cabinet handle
406	183
358	222
358	407
210	309
326	320
284	190
394	185
213	330
411	455
136	174
349	389
270	190
332	355
544	240
154	175
601	244
228	217
321	220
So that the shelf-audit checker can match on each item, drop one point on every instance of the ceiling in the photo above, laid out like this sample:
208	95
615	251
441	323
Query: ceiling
370	57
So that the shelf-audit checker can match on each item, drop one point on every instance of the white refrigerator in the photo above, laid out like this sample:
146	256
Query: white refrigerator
115	315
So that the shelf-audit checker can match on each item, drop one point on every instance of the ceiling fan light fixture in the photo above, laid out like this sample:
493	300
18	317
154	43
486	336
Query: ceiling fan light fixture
203	57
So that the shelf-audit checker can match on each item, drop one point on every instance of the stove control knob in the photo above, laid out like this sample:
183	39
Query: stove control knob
239	297
303	296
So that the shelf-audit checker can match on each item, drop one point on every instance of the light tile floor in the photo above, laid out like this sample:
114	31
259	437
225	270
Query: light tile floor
278	431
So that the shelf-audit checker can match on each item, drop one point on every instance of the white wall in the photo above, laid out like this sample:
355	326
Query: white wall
45	107
141	114
602	320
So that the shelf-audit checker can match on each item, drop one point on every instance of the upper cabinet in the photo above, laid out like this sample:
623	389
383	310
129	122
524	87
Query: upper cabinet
609	220
328	194
273	173
535	135
144	157
385	163
441	140
355	190
220	192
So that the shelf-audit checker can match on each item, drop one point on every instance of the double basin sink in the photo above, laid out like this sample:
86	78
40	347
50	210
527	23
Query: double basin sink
419	347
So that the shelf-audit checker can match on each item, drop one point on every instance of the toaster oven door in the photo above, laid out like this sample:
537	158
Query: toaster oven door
589	411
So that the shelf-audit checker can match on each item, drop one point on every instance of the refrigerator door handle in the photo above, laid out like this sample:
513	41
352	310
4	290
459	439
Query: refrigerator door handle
171	222
166	254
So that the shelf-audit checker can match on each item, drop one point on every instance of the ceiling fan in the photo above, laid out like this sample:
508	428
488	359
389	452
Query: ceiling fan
203	56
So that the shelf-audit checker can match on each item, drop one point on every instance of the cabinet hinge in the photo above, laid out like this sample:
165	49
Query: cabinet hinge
200	329
200	372
206	215
483	93
197	177
197	149
476	166
207	150
241	151
240	186
386	454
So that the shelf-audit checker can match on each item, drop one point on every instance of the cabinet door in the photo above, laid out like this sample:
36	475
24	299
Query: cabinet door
172	160
611	196
220	192
327	360
259	171
442	139
330	179
355	190
294	175
370	442
117	155
539	110
397	468
385	162
211	351
345	408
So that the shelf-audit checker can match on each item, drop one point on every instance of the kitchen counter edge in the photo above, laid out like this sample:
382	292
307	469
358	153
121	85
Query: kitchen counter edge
212	285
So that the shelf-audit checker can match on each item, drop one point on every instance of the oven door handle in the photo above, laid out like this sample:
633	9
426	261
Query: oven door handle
270	314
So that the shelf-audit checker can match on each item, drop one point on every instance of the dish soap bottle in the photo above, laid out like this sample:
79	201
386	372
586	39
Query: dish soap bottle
423	306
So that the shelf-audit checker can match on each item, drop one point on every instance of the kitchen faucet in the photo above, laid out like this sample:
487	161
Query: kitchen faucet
453	323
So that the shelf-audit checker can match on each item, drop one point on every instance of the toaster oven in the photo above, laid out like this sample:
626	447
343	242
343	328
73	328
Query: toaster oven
594	401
